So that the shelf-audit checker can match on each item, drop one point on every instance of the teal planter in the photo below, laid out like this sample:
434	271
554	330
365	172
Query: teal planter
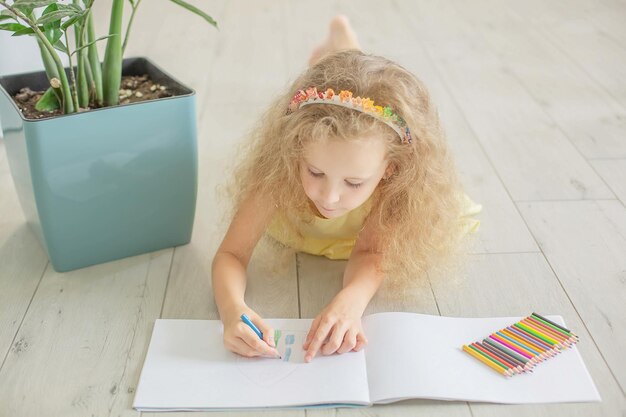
107	183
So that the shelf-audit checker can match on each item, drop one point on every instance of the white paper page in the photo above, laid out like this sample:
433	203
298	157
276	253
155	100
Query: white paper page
420	356
188	368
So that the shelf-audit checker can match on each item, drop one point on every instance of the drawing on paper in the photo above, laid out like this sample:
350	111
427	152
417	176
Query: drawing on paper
268	371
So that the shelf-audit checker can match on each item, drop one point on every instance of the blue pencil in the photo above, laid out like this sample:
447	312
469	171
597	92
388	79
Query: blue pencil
256	330
252	326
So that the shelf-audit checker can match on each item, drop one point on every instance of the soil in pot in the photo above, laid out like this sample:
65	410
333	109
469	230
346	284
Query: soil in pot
133	88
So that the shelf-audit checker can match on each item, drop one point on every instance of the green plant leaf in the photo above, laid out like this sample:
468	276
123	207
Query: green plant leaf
72	21
71	6
195	10
51	8
51	30
25	31
33	4
91	43
26	11
48	101
55	16
13	27
53	35
60	46
5	17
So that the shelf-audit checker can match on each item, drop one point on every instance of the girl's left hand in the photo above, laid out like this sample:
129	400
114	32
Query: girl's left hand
336	329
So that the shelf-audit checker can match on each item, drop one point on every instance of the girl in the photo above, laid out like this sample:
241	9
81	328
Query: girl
349	163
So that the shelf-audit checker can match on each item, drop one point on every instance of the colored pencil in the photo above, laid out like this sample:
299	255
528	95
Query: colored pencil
487	362
570	339
519	350
530	337
540	351
526	340
519	365
551	323
501	354
547	350
560	342
533	352
539	335
519	347
508	365
508	351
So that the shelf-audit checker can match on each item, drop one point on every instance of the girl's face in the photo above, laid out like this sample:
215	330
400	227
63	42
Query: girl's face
339	176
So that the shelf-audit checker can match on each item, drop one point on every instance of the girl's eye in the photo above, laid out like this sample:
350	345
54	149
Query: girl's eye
353	185
316	174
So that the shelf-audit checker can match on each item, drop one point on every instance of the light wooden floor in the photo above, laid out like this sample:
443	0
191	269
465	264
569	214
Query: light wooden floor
533	96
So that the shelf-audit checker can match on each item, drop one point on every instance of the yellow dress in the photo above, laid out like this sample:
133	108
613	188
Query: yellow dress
335	238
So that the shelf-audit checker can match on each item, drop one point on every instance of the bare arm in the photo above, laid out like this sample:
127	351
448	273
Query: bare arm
229	278
338	327
362	278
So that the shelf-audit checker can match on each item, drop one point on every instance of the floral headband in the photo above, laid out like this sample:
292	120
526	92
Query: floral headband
345	99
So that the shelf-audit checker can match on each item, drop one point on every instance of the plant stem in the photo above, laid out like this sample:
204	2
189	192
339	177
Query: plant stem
79	35
67	103
48	61
72	77
112	67
82	88
94	60
90	82
130	23
51	70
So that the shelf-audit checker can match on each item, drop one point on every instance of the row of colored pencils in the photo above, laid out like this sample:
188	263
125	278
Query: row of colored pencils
519	347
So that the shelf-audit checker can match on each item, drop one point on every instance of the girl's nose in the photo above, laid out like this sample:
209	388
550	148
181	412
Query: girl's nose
330	196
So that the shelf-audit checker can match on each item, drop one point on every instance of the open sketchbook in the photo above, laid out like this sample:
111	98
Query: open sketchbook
408	356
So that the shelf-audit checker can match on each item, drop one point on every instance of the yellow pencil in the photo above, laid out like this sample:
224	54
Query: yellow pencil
487	362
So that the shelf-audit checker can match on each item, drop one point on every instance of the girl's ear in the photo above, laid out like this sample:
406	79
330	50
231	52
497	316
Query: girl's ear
389	171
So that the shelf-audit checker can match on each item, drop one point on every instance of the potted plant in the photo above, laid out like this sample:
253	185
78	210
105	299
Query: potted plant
97	178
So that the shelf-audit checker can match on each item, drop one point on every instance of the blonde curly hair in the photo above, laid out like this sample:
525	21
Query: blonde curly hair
415	211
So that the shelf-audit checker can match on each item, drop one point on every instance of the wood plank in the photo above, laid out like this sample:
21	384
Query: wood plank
320	280
510	125
77	349
585	243
516	285
614	173
587	47
299	38
592	120
22	258
606	18
250	65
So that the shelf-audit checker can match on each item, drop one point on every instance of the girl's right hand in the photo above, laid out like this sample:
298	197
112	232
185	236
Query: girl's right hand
241	339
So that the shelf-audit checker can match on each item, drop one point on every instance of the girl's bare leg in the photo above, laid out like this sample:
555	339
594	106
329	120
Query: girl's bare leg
340	36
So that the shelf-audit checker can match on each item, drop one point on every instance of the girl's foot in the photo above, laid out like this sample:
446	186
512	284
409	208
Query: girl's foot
341	36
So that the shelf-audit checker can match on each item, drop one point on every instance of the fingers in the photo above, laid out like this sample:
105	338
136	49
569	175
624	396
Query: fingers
312	330
335	340
318	338
267	330
240	347
241	339
260	345
349	342
361	341
253	341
